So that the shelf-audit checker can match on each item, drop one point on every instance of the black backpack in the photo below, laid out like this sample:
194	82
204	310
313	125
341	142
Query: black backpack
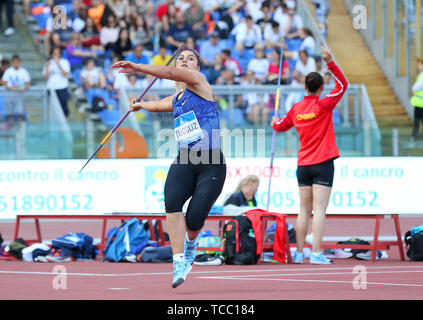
414	245
356	241
247	242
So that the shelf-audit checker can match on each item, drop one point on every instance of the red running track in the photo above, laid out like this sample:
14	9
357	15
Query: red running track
386	279
382	280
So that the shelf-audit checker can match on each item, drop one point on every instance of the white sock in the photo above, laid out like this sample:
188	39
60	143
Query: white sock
179	257
316	253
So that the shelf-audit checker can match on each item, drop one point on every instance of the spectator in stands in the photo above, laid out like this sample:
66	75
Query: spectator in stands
140	5
273	36
253	9
137	56
191	43
256	103
133	82
304	66
212	7
91	76
56	73
162	9
417	101
209	49
99	12
170	17
327	78
112	74
259	65
231	63
77	15
10	10
244	194
162	57
17	80
320	68
109	34
292	22
308	44
178	32
128	17
76	53
5	64
266	15
152	22
93	81
90	35
118	7
227	78
247	34
195	16
280	11
215	71
123	46
273	71
57	34
183	5
140	33
322	12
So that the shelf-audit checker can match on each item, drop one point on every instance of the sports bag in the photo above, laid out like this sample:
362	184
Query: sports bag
247	242
356	241
78	245
122	240
414	245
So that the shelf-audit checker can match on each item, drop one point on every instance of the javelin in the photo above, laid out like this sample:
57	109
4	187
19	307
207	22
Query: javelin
272	152
106	138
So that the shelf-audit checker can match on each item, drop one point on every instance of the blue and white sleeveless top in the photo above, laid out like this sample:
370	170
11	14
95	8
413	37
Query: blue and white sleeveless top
196	122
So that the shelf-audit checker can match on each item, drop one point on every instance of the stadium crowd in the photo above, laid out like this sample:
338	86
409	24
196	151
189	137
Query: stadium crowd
239	41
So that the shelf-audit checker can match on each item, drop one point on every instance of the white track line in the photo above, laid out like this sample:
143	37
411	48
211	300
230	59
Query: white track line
248	271
308	274
319	281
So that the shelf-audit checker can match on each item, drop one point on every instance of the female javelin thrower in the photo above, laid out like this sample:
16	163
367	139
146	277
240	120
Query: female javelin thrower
312	117
199	170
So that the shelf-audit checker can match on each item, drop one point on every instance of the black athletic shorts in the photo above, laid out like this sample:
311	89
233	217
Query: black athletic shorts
202	181
321	173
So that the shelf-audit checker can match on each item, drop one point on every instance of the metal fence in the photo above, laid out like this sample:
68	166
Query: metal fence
50	136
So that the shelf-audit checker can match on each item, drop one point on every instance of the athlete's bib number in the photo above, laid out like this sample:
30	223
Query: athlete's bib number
187	128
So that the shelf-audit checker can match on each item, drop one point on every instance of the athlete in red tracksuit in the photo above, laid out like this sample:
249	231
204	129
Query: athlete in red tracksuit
312	117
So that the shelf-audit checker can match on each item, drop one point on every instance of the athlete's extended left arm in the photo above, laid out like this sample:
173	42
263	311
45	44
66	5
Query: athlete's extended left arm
191	77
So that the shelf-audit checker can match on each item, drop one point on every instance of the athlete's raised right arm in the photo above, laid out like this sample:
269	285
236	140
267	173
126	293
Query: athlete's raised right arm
329	102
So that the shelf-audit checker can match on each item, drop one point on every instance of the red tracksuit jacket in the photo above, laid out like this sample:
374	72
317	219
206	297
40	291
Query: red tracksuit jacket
278	241
312	117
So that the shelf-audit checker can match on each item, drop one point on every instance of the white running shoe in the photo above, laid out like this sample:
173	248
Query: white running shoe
9	31
319	259
337	254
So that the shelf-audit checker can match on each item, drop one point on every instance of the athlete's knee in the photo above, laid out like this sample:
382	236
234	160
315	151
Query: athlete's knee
194	224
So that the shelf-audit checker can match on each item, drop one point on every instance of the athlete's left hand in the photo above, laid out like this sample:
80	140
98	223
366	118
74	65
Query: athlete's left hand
274	119
127	66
